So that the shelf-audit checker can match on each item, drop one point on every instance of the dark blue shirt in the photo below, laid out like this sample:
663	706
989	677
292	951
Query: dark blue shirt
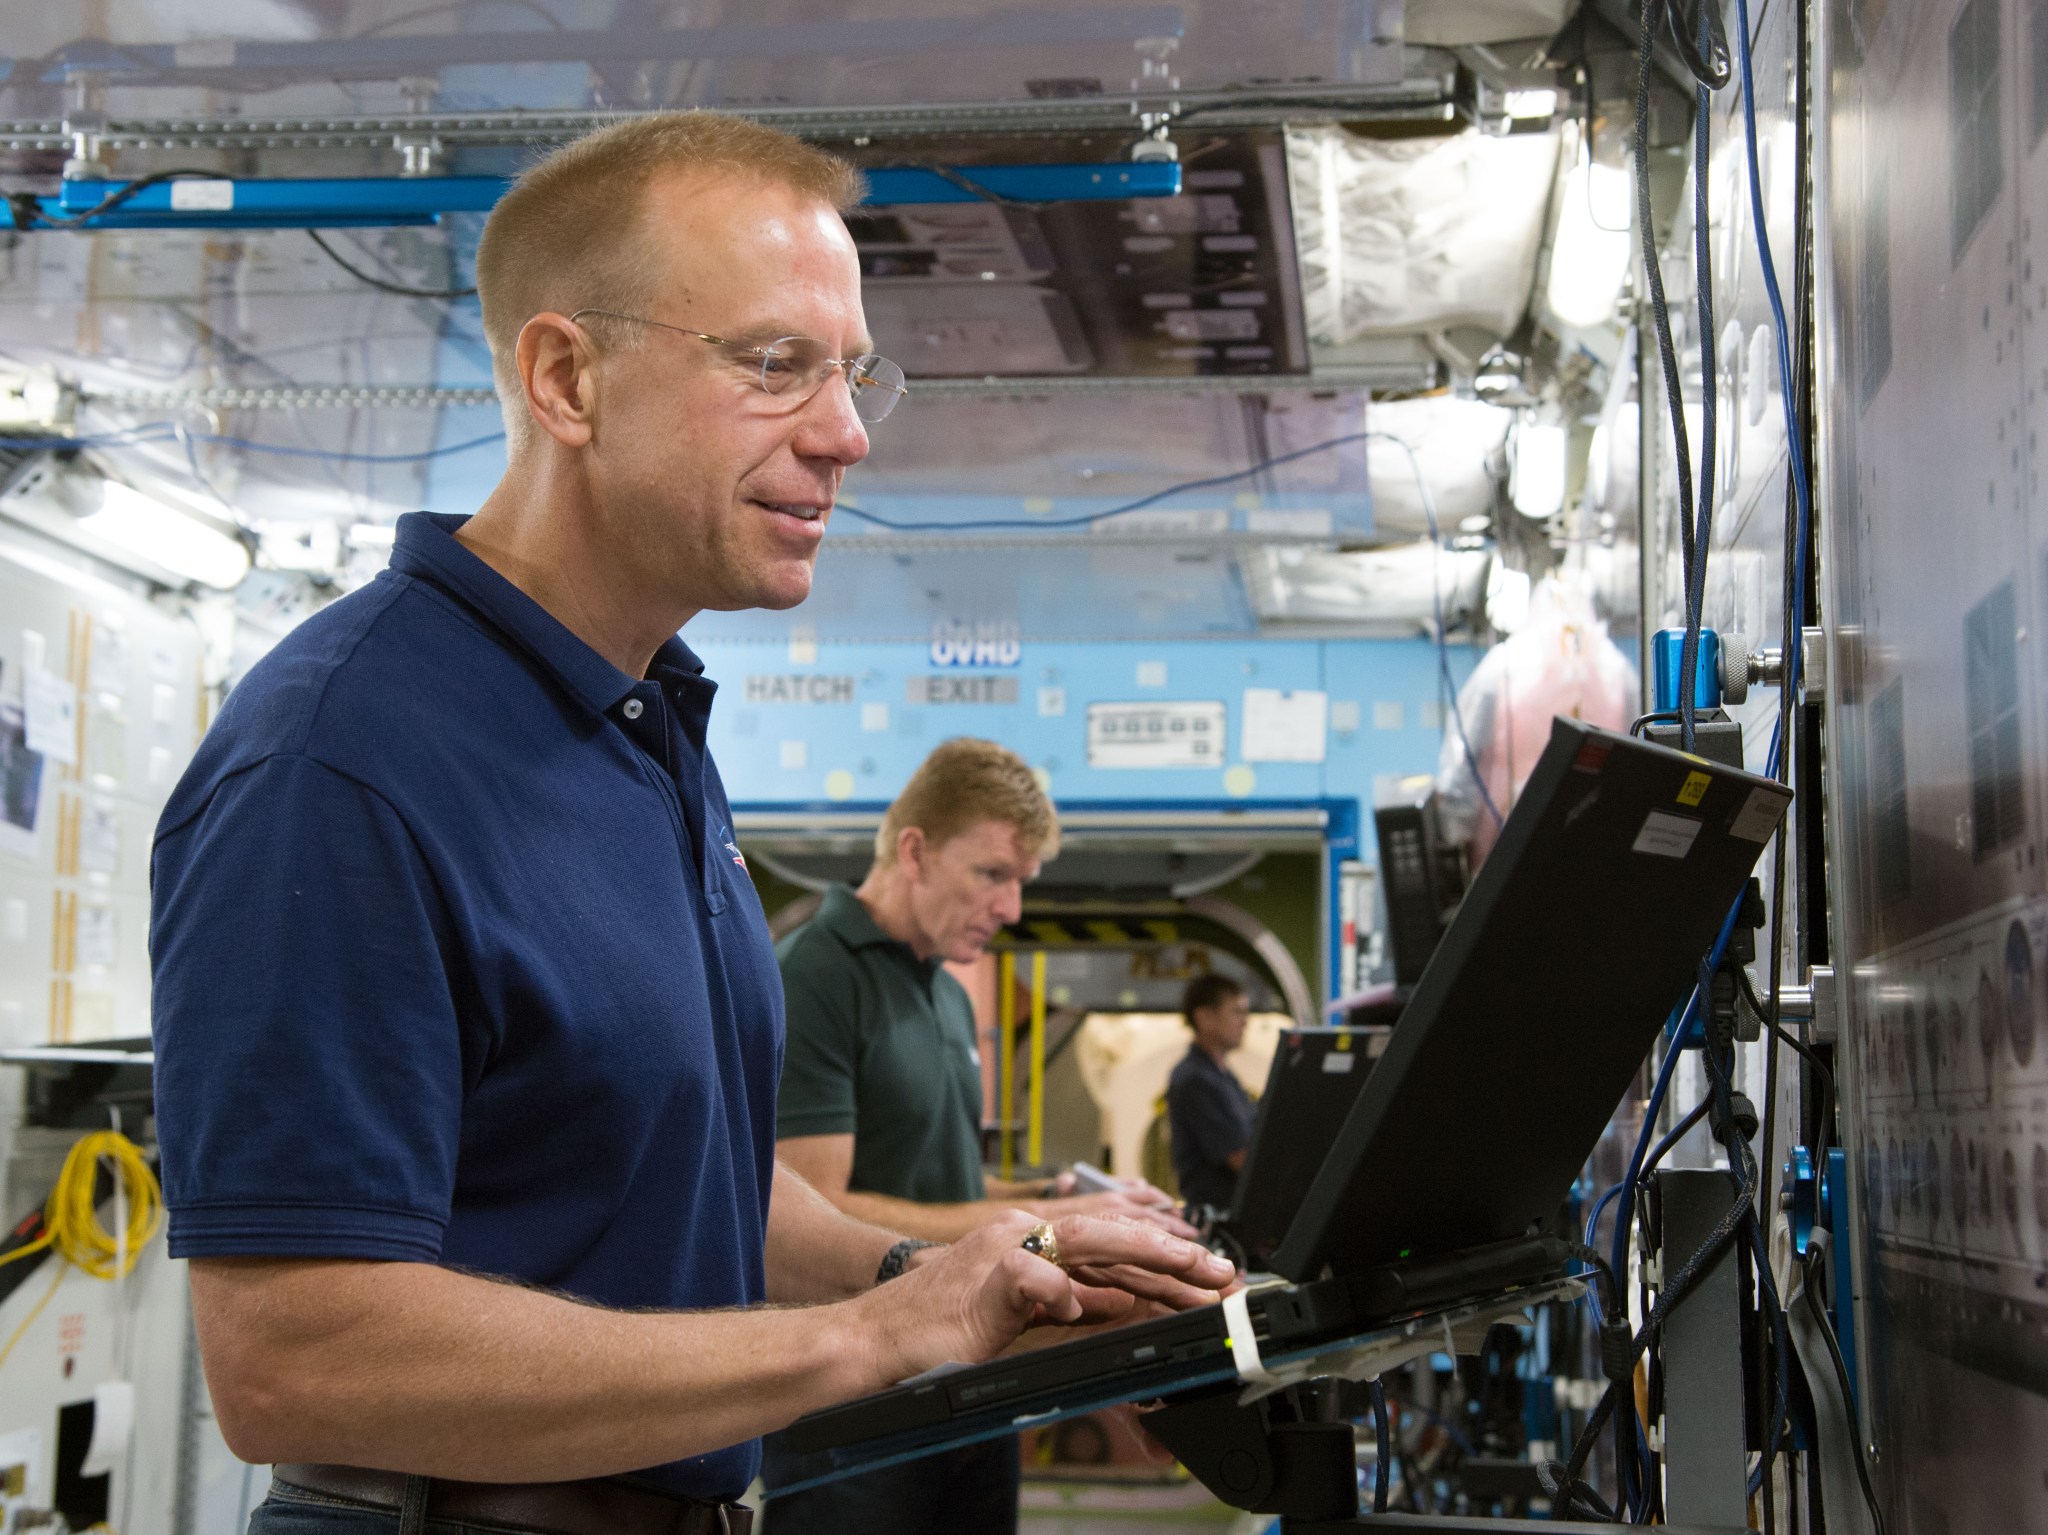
456	962
1209	1119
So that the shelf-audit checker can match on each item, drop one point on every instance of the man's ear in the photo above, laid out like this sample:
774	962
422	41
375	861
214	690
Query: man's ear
911	851
555	360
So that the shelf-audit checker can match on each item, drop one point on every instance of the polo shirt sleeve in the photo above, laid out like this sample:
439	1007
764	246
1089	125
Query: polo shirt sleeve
309	1077
1206	1119
820	1056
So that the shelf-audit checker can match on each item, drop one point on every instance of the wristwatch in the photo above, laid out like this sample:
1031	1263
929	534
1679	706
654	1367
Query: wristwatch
895	1258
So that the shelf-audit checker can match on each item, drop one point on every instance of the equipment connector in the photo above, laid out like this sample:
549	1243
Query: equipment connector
1617	1351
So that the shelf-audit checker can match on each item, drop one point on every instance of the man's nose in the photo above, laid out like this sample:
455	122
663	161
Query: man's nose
1010	901
829	427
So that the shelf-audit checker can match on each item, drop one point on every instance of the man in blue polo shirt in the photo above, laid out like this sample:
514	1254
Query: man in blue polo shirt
467	1021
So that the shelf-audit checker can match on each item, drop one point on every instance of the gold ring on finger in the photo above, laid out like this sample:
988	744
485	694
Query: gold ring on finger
1040	1242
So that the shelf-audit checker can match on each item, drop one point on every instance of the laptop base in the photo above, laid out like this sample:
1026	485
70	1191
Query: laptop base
1479	1524
1307	1470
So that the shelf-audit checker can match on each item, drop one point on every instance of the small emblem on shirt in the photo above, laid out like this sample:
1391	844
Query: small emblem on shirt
737	856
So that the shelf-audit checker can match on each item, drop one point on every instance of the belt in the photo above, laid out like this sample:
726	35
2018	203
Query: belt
601	1507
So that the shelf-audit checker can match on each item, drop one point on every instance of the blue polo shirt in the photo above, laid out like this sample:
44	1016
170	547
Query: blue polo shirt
456	962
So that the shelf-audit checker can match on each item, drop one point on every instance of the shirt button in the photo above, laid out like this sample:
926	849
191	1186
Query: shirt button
631	708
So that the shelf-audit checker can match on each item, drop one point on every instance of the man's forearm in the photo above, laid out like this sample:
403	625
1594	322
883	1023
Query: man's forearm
410	1367
949	1223
1010	1190
415	1368
816	1250
932	1223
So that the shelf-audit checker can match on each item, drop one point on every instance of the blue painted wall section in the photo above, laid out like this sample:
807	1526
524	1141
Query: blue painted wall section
817	723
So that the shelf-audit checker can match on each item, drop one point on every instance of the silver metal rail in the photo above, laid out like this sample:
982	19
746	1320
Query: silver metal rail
1425	95
1382	376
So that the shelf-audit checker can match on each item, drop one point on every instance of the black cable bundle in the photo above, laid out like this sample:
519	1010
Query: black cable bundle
1695	517
1565	1483
382	285
1383	1444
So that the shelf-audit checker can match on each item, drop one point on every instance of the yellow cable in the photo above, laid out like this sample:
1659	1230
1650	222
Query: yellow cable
28	1249
71	1223
29	1321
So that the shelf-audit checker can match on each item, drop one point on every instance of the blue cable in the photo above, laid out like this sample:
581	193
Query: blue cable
166	431
1700	536
1035	524
328	455
159	431
1624	1215
1619	1248
1802	494
1795	447
1599	1207
1443	649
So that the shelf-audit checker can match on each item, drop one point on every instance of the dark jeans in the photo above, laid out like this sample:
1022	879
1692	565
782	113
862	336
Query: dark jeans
969	1491
296	1512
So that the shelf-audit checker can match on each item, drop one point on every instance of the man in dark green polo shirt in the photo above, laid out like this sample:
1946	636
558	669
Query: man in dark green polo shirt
880	1106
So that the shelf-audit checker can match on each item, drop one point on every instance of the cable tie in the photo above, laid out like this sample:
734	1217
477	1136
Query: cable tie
1244	1343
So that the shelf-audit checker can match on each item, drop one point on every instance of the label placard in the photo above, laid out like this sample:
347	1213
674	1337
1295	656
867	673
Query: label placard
1759	815
799	688
976	642
948	689
202	196
1667	836
1174	734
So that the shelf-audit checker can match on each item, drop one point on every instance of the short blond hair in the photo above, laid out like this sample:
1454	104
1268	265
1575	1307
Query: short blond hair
568	236
963	783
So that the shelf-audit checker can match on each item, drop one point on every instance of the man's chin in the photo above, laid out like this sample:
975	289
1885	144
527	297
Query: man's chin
775	593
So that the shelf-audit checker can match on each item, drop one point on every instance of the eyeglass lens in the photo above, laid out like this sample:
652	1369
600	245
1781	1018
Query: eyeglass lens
800	365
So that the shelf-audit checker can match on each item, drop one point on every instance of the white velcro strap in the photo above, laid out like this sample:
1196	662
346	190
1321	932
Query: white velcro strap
1244	1343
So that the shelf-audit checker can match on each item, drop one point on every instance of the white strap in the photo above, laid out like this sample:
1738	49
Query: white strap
1244	1343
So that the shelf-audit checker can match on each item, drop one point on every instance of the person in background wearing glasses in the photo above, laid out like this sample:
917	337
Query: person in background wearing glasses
467	1020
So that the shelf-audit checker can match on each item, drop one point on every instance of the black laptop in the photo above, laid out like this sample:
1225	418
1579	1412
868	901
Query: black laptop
1314	1080
1586	926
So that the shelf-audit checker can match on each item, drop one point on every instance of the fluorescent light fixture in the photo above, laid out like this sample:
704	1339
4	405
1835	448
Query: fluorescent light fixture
1537	483
1599	463
1507	598
373	535
166	537
1589	256
1532	104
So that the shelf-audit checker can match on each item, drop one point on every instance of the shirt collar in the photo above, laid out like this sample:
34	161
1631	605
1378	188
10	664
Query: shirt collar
426	547
843	913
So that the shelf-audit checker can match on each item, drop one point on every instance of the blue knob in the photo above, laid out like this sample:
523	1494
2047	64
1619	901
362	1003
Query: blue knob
1667	650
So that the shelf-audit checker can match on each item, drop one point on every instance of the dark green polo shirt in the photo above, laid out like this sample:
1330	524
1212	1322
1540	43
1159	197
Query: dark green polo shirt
881	1045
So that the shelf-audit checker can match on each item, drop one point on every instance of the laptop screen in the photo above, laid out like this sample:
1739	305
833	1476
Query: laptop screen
1581	932
1314	1080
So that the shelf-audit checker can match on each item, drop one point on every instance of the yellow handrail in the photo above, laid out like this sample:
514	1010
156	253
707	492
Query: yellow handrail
1006	1047
1034	1146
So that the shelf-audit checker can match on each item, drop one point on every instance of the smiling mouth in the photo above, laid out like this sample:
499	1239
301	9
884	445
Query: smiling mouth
800	510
